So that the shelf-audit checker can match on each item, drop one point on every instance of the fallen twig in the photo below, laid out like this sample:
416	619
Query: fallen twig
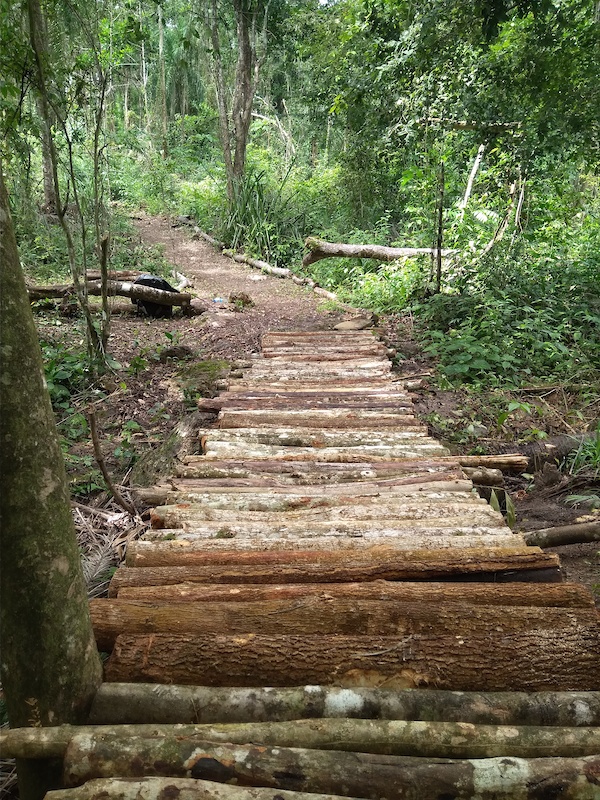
105	474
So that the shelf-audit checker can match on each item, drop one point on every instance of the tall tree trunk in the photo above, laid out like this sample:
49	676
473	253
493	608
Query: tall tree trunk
50	665
246	75
162	83
224	135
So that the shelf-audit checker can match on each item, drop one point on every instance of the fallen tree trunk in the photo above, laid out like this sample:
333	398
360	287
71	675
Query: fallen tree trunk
384	737
123	288
535	660
320	249
317	615
258	264
181	788
565	534
121	703
563	595
359	774
479	565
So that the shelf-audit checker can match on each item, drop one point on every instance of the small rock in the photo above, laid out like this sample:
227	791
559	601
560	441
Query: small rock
178	352
355	324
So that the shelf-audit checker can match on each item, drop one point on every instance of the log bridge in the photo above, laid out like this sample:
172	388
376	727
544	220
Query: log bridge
325	608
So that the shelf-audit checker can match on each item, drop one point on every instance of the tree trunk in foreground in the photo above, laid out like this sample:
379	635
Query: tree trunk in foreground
181	788
127	703
385	737
50	665
320	249
380	777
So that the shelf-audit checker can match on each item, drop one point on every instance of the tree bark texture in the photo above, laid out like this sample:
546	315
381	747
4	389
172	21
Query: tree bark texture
565	534
319	616
555	595
365	775
50	665
478	565
320	418
181	788
385	737
535	660
122	703
320	249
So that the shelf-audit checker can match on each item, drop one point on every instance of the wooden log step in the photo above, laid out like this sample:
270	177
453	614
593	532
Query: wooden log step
315	437
559	595
315	473
181	788
291	355
319	616
292	337
450	480
487	564
121	703
360	383
335	772
219	450
290	401
186	549
534	660
318	418
191	515
310	370
253	537
385	737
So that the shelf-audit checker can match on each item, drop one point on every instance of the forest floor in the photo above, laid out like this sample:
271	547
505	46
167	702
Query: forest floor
167	363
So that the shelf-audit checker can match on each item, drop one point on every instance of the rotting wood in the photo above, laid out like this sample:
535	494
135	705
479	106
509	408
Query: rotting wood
181	788
385	737
562	595
317	615
220	449
365	775
315	437
564	534
120	703
483	476
361	566
320	249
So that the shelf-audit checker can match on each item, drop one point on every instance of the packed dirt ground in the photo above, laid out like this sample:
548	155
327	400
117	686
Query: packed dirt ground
166	364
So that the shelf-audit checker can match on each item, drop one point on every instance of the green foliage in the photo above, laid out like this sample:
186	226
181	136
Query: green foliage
67	372
586	457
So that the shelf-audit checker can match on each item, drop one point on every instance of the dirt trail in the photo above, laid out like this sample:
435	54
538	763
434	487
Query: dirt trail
278	302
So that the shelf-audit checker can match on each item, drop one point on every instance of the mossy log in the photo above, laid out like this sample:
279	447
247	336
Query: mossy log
181	788
385	737
365	775
557	595
233	567
320	616
536	660
119	703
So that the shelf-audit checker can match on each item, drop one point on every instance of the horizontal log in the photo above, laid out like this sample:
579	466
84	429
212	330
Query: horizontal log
122	288
200	546
225	567
563	595
358	384
315	437
564	534
425	448
534	660
482	476
320	249
314	473
294	401
360	774
181	788
318	418
314	353
119	703
263	266
385	737
319	616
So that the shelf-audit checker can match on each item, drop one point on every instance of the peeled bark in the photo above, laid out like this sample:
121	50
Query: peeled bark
120	703
480	565
185	789
320	249
562	595
360	774
50	665
319	616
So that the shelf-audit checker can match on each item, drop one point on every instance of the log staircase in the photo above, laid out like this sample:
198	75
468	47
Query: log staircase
325	608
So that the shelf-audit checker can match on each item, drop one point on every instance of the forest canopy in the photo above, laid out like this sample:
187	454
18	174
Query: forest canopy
472	125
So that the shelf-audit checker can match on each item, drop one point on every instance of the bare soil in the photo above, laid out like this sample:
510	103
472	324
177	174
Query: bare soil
164	368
